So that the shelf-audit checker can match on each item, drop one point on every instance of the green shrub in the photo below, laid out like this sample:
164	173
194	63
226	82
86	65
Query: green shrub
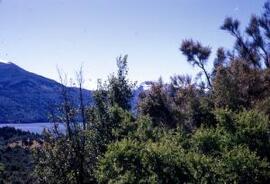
211	141
122	121
253	130
240	165
134	162
225	119
202	168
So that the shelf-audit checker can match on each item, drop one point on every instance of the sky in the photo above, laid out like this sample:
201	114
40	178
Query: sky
41	35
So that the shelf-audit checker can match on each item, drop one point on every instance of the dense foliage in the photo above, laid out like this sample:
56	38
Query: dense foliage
215	129
16	161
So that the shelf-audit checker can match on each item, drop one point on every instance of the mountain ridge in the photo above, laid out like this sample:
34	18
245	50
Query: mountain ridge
26	96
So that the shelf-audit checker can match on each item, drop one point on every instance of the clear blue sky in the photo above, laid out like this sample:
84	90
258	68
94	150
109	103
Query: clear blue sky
39	35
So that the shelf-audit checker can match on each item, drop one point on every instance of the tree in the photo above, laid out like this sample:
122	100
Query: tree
197	55
111	115
156	104
239	85
67	157
252	45
192	104
120	89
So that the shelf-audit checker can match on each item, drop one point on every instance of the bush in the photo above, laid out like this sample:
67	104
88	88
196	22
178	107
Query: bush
225	119
253	130
210	141
134	162
123	122
240	165
202	168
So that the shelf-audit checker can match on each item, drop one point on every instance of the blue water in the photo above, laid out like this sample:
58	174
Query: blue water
32	127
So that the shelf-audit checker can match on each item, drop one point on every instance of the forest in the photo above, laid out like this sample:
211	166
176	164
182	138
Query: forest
209	128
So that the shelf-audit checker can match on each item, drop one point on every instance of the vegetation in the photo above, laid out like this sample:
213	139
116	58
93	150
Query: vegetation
212	130
16	160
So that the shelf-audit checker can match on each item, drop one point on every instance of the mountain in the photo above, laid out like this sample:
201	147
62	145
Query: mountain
27	97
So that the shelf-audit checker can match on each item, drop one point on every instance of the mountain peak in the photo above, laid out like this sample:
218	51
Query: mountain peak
8	64
11	71
3	62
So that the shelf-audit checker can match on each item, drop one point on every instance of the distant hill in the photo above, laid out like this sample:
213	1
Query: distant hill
26	97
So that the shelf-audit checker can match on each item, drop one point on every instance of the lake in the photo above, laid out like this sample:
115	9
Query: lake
32	127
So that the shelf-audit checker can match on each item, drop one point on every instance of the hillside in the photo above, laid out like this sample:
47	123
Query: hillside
27	97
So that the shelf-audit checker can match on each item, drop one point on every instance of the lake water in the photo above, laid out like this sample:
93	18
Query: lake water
32	127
